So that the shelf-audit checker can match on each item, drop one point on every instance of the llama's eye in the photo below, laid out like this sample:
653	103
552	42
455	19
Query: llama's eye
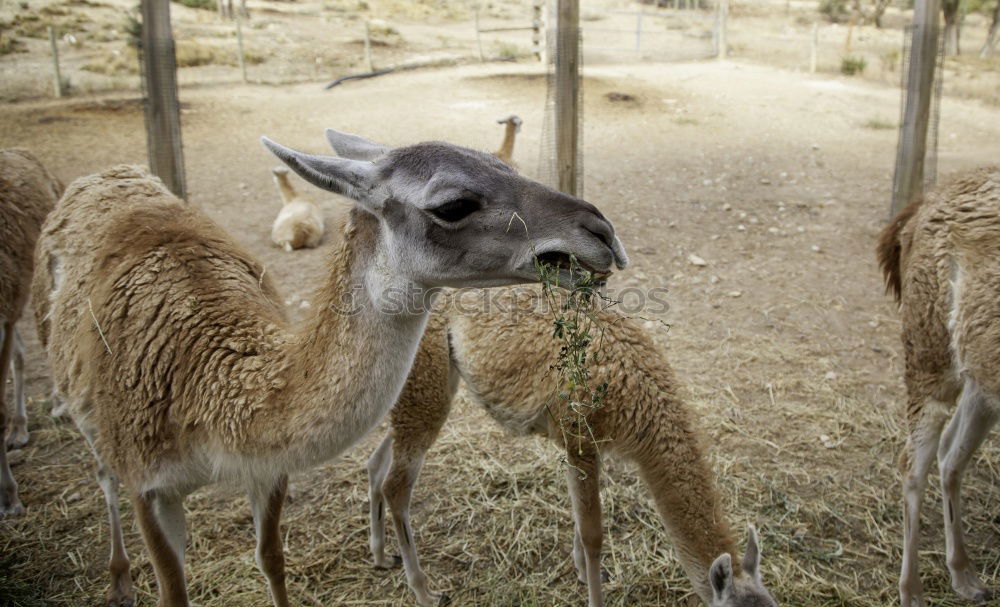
456	210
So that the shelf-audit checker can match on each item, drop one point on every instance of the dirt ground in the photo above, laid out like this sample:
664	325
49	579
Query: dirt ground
787	347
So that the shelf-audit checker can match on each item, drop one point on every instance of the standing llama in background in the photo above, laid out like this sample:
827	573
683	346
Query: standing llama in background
300	222
173	354
27	194
512	127
506	361
940	259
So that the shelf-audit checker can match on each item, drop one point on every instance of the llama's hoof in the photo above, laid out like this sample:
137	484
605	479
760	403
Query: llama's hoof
126	602
966	583
11	509
121	594
18	436
394	562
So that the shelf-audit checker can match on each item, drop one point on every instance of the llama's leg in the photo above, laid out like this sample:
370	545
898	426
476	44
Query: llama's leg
163	533
121	593
398	489
921	445
270	554
10	504
968	428
378	467
17	430
583	476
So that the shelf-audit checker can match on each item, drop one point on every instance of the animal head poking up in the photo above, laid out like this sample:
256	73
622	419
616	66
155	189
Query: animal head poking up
744	589
452	216
512	119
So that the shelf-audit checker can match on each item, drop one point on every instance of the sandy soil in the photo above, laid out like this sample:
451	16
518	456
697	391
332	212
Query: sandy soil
788	349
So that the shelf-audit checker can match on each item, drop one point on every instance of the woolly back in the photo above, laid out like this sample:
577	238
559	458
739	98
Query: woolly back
28	192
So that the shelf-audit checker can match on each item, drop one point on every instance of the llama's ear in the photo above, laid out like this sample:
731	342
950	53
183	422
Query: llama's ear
720	576
354	179
353	146
751	560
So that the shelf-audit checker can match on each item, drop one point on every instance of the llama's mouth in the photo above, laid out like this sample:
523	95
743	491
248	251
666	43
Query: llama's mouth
567	264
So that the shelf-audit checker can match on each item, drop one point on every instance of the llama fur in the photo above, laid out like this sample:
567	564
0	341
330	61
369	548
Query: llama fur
171	350
27	194
939	259
300	222
506	361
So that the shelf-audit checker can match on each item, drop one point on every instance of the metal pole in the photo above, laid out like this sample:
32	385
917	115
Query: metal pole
163	120
57	84
479	38
536	29
239	48
567	93
908	182
814	49
723	19
638	32
368	47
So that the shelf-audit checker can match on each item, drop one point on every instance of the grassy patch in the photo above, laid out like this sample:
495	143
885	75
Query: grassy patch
879	124
851	65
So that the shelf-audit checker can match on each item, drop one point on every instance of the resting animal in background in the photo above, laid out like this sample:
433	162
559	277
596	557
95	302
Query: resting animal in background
27	194
941	259
506	365
506	151
300	222
177	363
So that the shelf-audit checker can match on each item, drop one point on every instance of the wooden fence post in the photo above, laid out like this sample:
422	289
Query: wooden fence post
567	94
908	181
479	37
814	49
721	24
239	48
368	47
57	83
163	120
536	28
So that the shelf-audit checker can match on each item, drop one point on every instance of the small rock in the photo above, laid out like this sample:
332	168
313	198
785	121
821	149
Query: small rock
765	181
73	497
830	375
783	175
741	228
873	324
815	249
815	146
706	182
714	279
727	207
828	442
735	293
305	304
754	220
773	231
696	261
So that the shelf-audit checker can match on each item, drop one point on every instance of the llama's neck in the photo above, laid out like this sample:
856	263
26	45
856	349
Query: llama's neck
288	193
507	147
674	468
347	365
